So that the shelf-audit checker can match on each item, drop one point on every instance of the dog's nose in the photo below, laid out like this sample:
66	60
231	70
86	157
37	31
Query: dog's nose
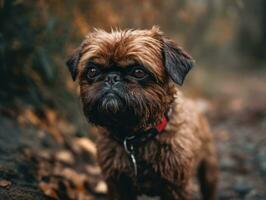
112	78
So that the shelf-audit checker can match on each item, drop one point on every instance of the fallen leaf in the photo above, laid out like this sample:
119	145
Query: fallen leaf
49	190
101	187
95	170
65	156
5	183
87	145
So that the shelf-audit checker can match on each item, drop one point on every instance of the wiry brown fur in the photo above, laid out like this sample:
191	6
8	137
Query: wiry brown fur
166	162
172	159
124	46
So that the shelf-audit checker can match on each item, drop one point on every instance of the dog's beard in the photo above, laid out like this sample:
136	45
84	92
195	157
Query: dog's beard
110	104
124	110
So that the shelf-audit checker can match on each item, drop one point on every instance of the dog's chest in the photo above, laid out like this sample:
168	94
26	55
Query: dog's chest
150	161
148	180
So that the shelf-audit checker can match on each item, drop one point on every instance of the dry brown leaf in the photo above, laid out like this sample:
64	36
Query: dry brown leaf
28	116
5	183
51	116
56	134
77	178
49	189
64	127
101	187
70	191
65	156
31	117
95	170
87	145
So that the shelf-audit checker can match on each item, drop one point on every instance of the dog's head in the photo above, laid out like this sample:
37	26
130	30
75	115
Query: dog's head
126	77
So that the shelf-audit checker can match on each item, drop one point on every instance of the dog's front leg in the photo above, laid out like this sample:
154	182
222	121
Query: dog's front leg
171	192
120	187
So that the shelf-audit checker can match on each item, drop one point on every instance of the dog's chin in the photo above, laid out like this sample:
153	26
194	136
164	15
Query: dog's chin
121	113
111	112
107	111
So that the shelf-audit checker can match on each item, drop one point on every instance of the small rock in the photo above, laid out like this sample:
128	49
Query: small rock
254	195
242	186
249	147
262	159
263	166
144	197
227	194
228	163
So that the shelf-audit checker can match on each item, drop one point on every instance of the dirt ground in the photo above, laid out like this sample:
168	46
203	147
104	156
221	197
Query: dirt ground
43	157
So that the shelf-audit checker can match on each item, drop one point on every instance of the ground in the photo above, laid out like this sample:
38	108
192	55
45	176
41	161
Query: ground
42	157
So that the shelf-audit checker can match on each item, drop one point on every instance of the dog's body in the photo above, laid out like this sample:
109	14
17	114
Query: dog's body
126	81
167	162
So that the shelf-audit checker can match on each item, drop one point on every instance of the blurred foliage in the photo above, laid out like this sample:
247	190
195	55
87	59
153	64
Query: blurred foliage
32	40
37	35
252	29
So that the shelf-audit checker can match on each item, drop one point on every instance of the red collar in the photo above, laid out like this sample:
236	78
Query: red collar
147	135
131	143
143	137
160	127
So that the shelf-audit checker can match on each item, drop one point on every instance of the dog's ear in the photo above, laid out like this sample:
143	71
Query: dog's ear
73	61
177	62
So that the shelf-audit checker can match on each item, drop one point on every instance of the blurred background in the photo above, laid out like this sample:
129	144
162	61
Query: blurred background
47	148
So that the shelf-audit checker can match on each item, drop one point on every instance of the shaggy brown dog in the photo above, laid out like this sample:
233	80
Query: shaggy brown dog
151	139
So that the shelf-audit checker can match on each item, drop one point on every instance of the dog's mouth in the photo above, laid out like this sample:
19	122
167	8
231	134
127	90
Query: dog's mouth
110	110
111	103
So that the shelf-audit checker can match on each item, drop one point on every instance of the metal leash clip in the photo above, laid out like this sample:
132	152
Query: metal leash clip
130	150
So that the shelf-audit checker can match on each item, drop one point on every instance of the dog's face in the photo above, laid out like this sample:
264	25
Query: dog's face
125	77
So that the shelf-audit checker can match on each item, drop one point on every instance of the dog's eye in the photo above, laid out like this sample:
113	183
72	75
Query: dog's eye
139	73
92	72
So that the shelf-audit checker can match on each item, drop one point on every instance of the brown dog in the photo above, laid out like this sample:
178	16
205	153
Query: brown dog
152	140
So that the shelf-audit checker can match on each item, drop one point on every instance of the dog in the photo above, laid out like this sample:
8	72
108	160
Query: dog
152	140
